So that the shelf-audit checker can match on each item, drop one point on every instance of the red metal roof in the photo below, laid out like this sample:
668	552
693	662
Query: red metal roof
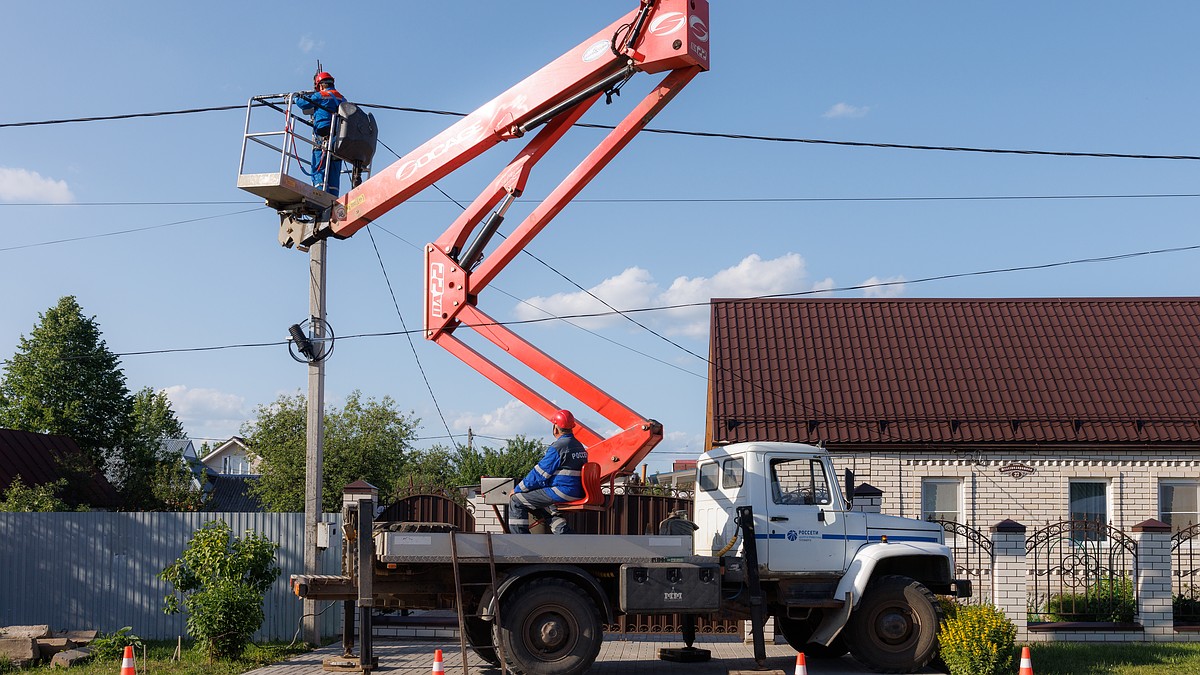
956	370
37	459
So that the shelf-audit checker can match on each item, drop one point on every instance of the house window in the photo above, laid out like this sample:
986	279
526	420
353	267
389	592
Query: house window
1179	503
1089	502
799	481
731	474
941	499
225	465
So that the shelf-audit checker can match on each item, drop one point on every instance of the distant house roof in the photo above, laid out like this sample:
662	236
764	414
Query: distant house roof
956	371
38	458
232	494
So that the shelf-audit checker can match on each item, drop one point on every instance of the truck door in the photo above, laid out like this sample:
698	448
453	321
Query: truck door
805	532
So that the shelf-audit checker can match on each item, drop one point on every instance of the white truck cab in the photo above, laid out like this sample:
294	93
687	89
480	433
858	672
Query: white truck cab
824	566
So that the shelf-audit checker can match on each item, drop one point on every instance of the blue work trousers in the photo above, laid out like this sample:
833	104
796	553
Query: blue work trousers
540	503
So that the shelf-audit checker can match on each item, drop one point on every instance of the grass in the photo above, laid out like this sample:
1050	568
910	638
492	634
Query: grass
159	661
1133	658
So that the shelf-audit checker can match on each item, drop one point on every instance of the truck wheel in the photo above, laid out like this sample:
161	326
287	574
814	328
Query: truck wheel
549	627
798	631
894	629
479	636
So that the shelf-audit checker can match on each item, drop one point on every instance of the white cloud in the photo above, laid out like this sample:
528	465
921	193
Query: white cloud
512	419
846	111
22	185
308	43
751	277
891	287
632	288
635	287
207	413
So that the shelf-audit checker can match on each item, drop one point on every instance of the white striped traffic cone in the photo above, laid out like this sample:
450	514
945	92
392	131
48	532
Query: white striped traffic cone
801	666
128	666
438	668
1026	662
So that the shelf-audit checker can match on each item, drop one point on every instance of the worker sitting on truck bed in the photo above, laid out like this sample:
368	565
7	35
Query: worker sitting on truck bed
555	479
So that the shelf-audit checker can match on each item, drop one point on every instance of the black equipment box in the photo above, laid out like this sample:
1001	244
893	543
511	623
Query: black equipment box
675	587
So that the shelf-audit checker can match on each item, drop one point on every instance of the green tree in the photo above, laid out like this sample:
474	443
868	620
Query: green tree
20	497
64	380
141	460
365	439
220	580
514	460
172	489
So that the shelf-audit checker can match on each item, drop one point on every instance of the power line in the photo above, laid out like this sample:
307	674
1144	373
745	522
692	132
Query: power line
695	200
407	334
655	130
660	308
129	231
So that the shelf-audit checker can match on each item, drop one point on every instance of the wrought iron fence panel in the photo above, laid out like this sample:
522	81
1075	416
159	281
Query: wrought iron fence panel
422	504
972	558
1185	566
1081	571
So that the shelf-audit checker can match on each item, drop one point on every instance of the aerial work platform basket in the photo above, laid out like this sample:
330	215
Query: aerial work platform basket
274	162
276	148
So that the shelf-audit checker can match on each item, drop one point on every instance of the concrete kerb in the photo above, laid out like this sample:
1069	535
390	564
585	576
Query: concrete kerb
632	656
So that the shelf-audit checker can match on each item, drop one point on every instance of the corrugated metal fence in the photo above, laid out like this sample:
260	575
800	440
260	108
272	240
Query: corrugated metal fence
100	570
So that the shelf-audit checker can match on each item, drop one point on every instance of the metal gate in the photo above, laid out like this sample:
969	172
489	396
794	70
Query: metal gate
426	504
1185	563
972	558
1081	571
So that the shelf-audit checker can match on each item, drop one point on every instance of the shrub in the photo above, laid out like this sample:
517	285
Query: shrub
111	646
1109	599
221	580
978	640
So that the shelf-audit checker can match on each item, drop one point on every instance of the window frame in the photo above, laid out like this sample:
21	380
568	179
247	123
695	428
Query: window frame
1106	485
737	464
713	482
958	495
1192	483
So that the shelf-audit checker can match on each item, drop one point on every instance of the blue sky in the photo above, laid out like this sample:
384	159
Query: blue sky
1064	76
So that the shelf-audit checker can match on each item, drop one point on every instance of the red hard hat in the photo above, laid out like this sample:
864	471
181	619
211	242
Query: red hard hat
563	419
319	77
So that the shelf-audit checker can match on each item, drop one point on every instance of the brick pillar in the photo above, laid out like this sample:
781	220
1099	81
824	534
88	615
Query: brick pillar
1154	580
868	498
1009	592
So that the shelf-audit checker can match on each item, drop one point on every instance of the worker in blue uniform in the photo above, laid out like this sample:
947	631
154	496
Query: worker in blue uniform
323	104
555	479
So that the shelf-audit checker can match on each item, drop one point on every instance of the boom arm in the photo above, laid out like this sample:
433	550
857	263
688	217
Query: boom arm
660	36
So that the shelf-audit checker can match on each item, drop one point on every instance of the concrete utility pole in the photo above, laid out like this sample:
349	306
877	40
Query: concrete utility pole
314	456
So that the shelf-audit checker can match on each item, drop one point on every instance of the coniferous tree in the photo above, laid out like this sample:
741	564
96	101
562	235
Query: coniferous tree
64	380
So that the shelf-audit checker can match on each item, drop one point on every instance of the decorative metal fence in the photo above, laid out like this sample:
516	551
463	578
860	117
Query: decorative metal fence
1081	571
423	504
972	558
1185	563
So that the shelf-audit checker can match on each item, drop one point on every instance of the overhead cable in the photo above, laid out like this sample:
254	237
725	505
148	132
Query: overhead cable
655	130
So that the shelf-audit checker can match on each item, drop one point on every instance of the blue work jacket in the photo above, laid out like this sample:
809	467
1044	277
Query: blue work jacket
560	470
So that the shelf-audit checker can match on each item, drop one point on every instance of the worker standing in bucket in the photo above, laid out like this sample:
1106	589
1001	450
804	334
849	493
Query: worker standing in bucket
555	479
322	105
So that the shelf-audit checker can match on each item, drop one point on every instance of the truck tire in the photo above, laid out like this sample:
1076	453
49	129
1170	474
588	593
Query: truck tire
798	631
894	628
479	636
549	627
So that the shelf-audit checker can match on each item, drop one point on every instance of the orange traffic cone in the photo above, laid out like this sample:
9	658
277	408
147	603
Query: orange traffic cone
128	667
1026	663
438	668
801	666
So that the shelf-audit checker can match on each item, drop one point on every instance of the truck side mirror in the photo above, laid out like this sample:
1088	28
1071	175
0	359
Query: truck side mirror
849	489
